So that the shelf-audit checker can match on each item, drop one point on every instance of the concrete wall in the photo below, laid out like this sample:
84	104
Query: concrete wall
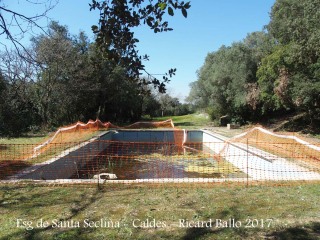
143	136
194	136
154	136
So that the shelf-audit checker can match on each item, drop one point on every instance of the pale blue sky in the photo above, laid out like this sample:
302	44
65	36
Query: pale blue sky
210	24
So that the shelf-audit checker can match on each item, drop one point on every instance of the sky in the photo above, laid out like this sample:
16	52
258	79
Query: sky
209	25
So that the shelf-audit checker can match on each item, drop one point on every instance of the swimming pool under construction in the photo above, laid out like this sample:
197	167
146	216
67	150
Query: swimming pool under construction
134	156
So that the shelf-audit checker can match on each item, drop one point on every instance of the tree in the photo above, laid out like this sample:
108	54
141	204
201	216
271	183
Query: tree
273	76
115	35
227	82
62	78
17	111
3	100
56	57
223	81
14	24
294	21
289	76
196	96
112	90
151	106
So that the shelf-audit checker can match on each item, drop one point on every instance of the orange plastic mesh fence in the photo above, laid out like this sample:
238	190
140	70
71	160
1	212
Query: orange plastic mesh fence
83	131
291	146
207	163
180	137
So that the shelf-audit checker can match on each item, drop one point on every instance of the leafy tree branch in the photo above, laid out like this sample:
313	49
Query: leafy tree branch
115	35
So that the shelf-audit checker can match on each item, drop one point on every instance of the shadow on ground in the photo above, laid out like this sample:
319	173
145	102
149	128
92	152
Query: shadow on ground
11	167
306	232
303	232
67	234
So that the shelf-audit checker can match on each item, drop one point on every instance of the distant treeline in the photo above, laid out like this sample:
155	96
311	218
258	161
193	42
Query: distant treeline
65	79
269	73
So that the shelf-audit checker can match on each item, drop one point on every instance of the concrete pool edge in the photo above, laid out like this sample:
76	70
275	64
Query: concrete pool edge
268	172
244	181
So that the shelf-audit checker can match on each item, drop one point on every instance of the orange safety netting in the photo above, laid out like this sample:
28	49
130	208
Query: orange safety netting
256	155
83	131
13	156
157	162
287	145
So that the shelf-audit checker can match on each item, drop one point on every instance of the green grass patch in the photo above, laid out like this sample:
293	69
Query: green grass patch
278	212
190	121
199	121
32	139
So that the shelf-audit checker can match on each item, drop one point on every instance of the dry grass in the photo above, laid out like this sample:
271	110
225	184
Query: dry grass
293	212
